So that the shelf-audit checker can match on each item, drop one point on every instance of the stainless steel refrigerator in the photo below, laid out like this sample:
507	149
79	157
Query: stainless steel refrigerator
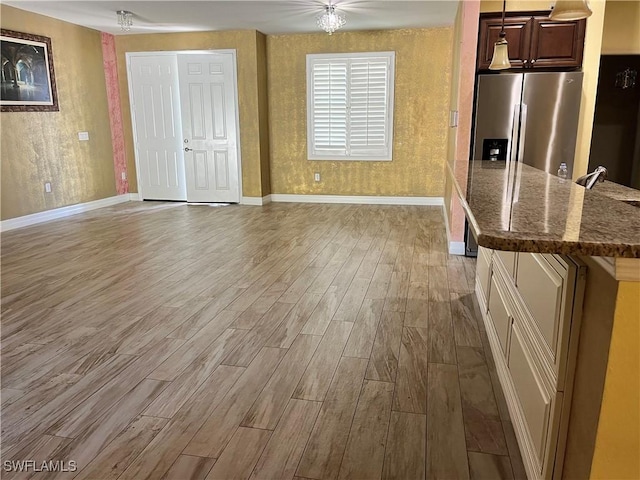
526	117
531	117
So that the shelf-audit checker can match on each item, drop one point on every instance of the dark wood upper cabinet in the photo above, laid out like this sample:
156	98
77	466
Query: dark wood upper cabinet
557	44
517	32
534	40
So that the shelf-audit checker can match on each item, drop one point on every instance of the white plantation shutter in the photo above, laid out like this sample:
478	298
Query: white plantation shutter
330	107
368	111
350	106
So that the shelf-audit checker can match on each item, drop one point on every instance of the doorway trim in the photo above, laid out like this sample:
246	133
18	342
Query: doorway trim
233	52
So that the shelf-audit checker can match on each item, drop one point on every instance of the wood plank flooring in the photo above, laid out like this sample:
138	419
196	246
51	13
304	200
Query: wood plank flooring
156	340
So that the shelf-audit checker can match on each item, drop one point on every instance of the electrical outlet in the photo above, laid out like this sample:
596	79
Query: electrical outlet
47	187
83	136
316	176
124	175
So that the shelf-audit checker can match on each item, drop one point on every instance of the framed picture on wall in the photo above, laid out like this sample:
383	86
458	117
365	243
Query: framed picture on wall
28	81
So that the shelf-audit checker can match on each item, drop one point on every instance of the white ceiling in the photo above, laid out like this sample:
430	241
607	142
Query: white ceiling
267	16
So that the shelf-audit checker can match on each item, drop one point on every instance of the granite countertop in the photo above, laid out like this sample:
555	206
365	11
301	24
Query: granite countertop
618	192
515	207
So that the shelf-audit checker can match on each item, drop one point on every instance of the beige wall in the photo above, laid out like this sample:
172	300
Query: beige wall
39	147
621	28
617	446
456	46
591	69
422	83
455	79
461	100
596	325
245	43
515	5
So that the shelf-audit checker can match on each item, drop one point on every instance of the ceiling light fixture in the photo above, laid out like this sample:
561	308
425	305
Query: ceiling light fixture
330	20
500	60
125	20
570	10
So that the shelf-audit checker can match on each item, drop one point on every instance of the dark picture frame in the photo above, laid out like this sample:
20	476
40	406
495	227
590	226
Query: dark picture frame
28	82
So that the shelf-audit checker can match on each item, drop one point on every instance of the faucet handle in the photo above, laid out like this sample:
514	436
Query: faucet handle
601	172
590	179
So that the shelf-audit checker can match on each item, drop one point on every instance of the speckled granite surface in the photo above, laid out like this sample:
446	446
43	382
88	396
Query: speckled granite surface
617	192
515	207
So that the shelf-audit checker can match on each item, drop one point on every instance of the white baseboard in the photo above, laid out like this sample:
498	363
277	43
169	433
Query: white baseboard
456	248
48	215
243	201
135	197
356	199
256	200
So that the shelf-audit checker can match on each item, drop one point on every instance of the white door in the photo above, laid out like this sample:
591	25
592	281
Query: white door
208	103
155	105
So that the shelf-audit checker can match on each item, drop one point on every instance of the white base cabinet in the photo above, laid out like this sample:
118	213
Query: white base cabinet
531	306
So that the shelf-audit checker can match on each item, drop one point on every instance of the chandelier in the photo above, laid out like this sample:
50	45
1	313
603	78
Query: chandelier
330	20
125	20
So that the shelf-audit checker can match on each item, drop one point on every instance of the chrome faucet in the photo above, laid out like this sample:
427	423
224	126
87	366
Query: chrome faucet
590	179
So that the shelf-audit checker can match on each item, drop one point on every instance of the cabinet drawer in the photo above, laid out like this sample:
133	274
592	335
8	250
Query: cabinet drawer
499	312
534	399
508	260
483	270
541	287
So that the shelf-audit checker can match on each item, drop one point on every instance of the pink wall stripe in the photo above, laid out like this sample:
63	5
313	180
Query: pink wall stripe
115	113
471	13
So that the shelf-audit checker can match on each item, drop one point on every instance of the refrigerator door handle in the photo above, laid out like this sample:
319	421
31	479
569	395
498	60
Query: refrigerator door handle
523	131
515	121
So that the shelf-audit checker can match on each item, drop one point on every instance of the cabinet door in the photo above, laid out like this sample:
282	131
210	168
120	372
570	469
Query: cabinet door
541	288
518	35
508	260
499	311
557	44
535	399
483	271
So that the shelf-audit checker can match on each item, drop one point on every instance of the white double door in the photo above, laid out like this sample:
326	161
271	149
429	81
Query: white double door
184	111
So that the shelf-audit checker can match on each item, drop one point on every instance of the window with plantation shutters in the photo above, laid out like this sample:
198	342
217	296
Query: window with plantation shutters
350	106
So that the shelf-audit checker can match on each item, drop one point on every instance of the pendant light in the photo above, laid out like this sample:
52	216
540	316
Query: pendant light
570	10
500	60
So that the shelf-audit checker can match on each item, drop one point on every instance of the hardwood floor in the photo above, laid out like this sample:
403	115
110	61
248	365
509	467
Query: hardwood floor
158	340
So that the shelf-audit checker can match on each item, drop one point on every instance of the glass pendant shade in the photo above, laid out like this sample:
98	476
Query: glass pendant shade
500	60
570	10
125	20
330	20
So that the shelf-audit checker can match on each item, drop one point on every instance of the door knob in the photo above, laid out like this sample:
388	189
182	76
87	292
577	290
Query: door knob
187	149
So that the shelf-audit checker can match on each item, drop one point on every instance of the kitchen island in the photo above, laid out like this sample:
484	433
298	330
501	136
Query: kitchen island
515	207
558	285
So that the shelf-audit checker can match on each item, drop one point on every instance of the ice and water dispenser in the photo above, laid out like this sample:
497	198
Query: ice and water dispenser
494	149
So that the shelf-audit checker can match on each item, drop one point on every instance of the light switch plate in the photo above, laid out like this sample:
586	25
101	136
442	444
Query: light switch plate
83	136
453	118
